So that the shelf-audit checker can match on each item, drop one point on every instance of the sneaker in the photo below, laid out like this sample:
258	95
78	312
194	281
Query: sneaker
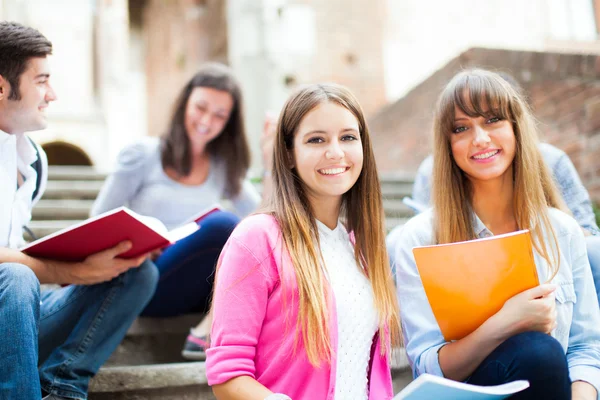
195	347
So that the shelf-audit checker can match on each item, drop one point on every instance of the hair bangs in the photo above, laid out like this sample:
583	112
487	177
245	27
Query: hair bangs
477	94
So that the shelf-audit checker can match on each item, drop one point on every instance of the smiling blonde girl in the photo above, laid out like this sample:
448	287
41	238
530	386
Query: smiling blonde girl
489	178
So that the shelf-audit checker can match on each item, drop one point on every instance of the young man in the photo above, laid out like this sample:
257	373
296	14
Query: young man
68	332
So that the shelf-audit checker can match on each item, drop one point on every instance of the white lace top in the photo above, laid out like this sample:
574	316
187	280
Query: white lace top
355	309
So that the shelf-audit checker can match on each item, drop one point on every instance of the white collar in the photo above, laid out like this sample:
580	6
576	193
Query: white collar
26	151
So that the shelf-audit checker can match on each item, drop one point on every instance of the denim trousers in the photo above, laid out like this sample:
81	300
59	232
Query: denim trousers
593	250
532	356
57	340
187	268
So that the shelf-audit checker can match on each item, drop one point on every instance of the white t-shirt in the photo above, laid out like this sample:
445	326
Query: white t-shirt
355	310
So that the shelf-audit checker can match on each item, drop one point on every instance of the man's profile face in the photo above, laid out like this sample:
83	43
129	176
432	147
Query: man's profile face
29	112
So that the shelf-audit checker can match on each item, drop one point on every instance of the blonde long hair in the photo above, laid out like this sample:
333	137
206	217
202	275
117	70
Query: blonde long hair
362	209
477	93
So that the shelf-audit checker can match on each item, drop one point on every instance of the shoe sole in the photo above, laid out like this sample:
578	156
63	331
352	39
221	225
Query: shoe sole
193	355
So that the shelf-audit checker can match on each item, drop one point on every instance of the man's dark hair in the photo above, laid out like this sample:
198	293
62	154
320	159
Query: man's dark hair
19	43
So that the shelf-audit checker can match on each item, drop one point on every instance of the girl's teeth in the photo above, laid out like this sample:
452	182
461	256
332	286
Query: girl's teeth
332	171
486	155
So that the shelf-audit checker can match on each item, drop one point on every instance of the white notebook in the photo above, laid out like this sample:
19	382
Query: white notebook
427	387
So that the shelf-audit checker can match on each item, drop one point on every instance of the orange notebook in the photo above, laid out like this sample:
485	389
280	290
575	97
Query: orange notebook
468	282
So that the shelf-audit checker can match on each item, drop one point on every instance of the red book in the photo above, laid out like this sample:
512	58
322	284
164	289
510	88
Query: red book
106	230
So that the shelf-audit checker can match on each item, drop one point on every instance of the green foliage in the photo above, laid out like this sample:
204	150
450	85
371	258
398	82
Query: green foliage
596	213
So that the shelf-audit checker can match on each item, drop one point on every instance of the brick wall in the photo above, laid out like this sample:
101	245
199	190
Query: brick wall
564	91
179	35
349	48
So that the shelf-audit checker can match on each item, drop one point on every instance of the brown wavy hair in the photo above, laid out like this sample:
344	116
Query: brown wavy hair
362	210
230	146
478	93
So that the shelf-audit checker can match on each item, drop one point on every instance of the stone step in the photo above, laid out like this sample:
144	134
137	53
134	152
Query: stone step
71	209
163	381
88	187
396	178
81	189
73	189
41	228
48	209
181	381
74	173
396	190
154	341
396	208
160	341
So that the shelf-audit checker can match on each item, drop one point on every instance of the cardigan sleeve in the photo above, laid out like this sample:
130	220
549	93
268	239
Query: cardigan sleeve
246	276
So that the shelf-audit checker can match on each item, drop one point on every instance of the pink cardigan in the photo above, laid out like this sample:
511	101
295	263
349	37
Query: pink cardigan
254	326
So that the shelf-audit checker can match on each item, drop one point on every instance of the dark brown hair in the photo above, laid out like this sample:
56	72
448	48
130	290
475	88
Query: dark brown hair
230	146
19	43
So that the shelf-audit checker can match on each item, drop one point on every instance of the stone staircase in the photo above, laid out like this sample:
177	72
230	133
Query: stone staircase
148	364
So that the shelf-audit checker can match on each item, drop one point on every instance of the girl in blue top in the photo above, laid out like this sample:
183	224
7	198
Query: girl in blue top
202	159
489	178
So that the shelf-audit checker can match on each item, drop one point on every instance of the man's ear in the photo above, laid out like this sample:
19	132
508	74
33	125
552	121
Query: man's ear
4	88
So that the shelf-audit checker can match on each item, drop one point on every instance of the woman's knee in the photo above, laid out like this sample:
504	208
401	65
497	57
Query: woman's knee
540	351
220	220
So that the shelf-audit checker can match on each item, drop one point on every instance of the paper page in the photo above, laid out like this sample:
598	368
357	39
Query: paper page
429	386
181	232
153	223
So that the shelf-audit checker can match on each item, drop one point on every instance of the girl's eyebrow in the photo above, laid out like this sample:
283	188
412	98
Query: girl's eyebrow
315	131
325	132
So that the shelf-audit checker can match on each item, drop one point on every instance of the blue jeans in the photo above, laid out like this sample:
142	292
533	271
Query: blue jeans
79	328
187	268
532	356
593	250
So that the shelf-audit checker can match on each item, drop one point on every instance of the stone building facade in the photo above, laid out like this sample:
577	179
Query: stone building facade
118	64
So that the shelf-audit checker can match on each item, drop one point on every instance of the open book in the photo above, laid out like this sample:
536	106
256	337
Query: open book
427	387
468	282
106	230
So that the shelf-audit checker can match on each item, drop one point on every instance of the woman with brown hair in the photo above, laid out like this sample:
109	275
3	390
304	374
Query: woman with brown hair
202	159
490	178
304	304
